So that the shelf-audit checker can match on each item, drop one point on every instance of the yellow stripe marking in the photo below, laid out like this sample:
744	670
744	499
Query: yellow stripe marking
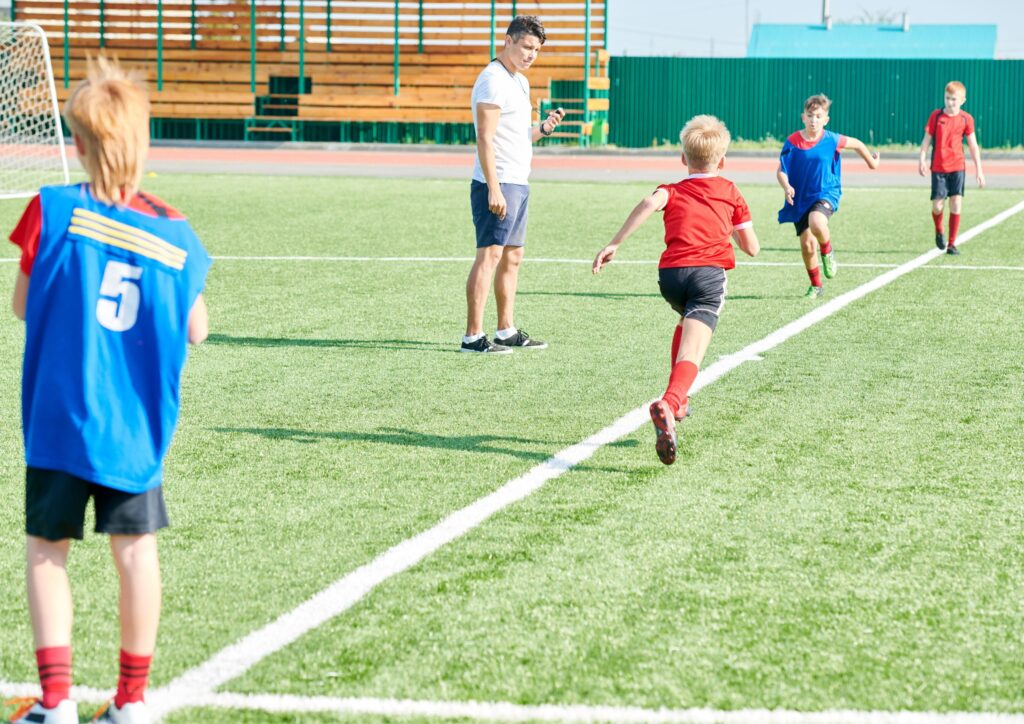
141	250
139	235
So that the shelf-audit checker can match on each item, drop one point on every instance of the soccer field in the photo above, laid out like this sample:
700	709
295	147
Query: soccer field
842	533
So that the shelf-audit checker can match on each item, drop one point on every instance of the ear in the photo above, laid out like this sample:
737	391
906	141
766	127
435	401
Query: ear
721	163
683	156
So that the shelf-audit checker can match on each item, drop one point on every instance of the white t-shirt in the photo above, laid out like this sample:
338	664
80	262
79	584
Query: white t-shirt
513	145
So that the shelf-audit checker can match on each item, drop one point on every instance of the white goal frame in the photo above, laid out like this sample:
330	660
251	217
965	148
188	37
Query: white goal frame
40	152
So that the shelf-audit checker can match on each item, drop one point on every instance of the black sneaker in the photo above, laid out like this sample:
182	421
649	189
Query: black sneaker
521	339
486	346
940	240
952	250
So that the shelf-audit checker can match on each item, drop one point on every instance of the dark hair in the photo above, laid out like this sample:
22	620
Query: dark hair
526	25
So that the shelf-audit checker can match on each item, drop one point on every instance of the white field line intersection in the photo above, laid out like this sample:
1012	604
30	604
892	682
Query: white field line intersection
199	683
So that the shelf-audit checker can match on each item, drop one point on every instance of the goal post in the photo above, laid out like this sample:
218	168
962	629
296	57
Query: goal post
32	152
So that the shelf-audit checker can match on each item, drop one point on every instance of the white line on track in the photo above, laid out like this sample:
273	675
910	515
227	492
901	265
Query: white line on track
237	658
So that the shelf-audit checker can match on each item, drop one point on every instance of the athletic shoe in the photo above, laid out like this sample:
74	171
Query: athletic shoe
486	346
683	414
32	711
940	240
521	339
665	431
814	292
828	264
952	250
134	713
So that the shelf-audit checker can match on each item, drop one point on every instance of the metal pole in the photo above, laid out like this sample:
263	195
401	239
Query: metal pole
397	83
192	27
67	50
586	65
159	45
252	46
282	24
328	26
14	10
103	22
493	28
302	46
421	26
514	13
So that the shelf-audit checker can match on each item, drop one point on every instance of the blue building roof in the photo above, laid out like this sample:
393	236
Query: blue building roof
873	41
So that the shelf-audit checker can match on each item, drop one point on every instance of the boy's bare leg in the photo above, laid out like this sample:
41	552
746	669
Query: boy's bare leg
49	592
695	341
696	336
138	567
955	204
478	285
506	281
809	251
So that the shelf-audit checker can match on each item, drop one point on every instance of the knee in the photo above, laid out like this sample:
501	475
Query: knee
937	206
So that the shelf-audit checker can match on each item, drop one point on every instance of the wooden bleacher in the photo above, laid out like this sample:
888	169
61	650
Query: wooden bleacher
298	79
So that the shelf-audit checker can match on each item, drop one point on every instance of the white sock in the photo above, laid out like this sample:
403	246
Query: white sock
471	339
505	333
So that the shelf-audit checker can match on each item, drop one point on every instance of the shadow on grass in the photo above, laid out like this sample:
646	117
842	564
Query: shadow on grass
489	444
596	295
840	251
402	344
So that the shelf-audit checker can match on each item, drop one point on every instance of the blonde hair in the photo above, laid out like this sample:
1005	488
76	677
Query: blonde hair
819	100
109	112
955	86
705	140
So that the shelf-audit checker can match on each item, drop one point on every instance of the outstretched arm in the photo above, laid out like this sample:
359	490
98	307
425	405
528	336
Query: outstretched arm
922	163
856	145
636	218
972	146
747	240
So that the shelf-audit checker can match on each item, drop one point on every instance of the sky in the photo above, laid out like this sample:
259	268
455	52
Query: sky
720	27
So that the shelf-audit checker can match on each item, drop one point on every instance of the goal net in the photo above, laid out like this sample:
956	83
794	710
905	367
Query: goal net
31	140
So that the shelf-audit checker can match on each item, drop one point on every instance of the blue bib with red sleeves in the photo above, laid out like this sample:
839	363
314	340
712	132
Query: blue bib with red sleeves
106	329
814	173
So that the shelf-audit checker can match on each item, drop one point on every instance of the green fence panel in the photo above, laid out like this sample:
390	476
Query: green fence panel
878	101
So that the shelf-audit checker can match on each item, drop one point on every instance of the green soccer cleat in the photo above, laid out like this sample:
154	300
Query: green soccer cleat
828	264
814	292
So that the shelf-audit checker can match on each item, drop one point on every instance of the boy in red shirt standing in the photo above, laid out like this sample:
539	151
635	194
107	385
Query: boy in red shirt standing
701	213
949	126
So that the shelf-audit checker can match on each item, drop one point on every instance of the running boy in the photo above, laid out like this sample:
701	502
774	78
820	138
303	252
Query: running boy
809	173
701	213
109	287
949	126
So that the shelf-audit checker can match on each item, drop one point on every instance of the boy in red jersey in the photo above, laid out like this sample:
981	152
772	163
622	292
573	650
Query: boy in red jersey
949	126
810	174
701	213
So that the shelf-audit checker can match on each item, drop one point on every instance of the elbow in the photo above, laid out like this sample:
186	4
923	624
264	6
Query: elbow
198	331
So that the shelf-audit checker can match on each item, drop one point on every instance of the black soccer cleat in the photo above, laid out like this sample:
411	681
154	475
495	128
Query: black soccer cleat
664	430
940	240
485	346
521	340
951	249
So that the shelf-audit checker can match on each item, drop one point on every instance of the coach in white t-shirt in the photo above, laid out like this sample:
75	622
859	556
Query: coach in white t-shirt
505	134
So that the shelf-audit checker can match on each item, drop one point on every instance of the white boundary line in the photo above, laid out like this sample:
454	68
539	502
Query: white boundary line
235	659
510	712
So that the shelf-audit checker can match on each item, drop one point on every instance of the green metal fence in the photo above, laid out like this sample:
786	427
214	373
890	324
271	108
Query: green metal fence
878	101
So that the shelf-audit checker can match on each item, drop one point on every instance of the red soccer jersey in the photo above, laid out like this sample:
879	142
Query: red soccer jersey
701	213
26	233
949	133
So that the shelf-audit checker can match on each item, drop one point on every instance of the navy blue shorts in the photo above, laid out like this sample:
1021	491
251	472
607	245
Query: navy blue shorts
492	231
947	184
55	504
694	292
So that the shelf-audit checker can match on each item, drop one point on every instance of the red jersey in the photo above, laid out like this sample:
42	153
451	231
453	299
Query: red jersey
701	213
949	133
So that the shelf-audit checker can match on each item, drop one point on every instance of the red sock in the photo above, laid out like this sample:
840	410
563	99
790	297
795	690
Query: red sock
826	248
954	227
131	684
815	275
677	339
679	383
54	663
937	219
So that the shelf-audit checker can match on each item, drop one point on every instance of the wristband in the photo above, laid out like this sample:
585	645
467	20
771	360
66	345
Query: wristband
542	131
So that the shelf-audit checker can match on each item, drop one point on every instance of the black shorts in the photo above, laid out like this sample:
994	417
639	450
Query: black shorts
947	184
823	206
55	505
695	292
